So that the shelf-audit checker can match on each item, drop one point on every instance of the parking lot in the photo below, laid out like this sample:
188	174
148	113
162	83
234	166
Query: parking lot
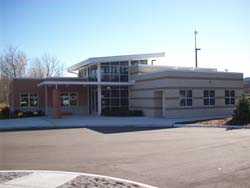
179	157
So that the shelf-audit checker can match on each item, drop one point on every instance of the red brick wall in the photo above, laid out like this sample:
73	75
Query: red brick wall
18	86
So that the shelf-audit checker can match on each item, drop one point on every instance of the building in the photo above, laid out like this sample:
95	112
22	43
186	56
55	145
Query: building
115	85
247	85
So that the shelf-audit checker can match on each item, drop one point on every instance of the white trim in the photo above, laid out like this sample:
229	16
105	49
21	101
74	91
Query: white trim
94	60
132	82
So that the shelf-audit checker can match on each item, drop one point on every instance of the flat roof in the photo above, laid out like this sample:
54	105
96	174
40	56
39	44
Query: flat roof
94	60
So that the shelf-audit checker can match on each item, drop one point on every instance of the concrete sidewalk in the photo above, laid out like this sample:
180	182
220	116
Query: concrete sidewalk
54	179
95	121
90	121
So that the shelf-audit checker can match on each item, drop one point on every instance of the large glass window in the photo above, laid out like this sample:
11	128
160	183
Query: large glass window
28	100
114	72
209	97
82	73
139	62
229	97
92	73
115	99
185	97
69	99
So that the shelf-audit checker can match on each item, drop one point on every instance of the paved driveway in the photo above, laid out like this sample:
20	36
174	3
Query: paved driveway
180	157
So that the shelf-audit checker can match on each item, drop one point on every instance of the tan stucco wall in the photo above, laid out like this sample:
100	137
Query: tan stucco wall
142	94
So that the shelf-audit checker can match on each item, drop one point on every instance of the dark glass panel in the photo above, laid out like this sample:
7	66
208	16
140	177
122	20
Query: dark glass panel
205	93
189	102
183	102
123	78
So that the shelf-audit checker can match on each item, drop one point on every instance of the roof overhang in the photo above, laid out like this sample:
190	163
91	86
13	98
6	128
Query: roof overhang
44	83
94	60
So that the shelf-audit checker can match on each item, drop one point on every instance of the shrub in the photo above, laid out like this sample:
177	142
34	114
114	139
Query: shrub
242	112
20	114
135	113
4	112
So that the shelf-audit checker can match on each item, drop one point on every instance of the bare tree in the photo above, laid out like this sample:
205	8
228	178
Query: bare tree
46	66
13	63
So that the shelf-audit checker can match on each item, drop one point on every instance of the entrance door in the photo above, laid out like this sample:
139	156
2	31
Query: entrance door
159	103
93	100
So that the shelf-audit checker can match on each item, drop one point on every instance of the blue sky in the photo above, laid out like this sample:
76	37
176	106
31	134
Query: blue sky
74	30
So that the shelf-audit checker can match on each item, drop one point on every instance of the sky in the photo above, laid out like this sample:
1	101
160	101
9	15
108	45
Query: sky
74	30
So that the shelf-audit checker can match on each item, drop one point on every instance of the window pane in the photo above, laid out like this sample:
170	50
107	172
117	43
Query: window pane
226	93
123	78
226	100
183	102
105	102
33	101
124	109
143	62
123	70
64	100
189	102
124	63
24	102
105	69
205	93
212	101
115	102
73	99
124	93
232	101
135	62
232	93
206	102
189	93
105	78
182	93
212	93
114	78
114	70
105	93
124	101
115	93
115	109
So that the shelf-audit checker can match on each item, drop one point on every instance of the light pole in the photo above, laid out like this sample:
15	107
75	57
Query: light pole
196	49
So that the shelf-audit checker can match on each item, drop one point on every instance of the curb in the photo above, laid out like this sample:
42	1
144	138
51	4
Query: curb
84	174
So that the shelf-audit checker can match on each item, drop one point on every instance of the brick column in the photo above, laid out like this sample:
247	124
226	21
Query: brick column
56	103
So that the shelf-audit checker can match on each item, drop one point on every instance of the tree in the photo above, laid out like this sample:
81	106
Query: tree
13	63
242	112
46	66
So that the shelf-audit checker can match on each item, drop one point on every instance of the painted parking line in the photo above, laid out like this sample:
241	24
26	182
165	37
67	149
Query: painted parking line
42	180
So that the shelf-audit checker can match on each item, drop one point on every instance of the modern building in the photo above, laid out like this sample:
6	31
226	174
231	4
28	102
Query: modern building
115	85
247	85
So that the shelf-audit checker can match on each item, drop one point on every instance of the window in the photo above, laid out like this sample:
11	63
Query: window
114	71
92	73
209	97
139	62
28	100
82	73
69	99
229	97
115	99
185	97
